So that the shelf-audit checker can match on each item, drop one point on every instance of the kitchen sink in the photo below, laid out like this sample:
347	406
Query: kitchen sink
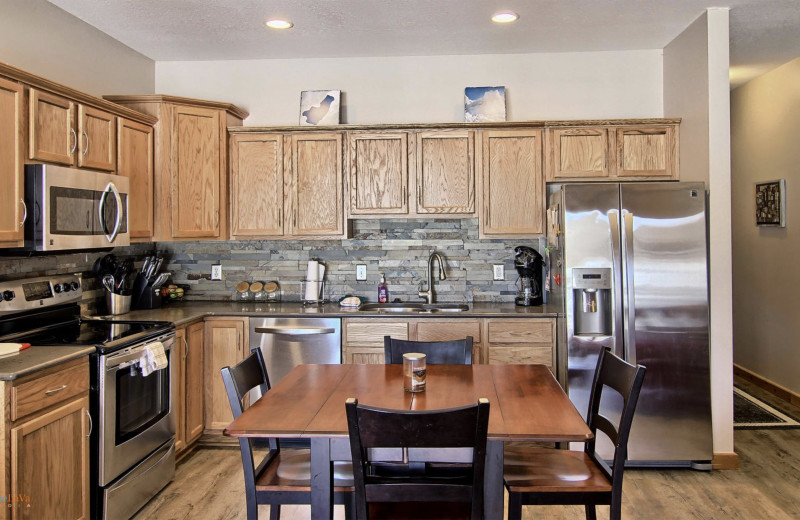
413	307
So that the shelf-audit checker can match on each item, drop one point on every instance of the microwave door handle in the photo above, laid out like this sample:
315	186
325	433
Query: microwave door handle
100	211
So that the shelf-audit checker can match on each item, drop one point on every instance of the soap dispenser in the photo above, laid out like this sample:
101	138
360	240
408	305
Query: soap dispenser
383	290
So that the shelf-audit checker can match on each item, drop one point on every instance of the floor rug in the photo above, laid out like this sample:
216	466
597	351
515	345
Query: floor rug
750	413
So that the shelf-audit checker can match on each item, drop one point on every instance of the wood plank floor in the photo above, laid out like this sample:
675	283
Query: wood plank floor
209	485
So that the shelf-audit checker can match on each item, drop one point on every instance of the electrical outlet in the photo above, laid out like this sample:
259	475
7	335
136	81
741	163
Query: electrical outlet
361	272
499	272
216	272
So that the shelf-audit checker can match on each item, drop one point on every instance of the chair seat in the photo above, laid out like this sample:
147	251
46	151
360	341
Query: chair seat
290	470
419	511
545	469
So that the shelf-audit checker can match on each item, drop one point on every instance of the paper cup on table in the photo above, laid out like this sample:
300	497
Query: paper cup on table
414	371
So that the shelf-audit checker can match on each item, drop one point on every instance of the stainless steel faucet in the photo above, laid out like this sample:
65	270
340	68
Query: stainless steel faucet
428	295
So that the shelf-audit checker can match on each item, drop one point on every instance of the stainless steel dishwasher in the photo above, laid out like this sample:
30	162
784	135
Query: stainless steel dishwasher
288	342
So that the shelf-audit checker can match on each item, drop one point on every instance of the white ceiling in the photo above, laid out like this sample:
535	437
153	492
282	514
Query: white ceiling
764	33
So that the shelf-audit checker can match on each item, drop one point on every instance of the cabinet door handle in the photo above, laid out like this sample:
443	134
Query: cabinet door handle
217	225
185	348
294	221
74	141
280	215
24	212
419	195
55	390
86	150
91	424
403	196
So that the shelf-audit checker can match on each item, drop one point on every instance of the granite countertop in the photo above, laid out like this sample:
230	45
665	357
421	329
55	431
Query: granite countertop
38	358
182	313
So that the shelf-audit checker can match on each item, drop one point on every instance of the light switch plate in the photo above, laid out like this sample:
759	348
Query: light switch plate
499	272
361	272
216	272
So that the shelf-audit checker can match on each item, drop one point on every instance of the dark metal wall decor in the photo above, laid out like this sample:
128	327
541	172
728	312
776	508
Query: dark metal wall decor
771	203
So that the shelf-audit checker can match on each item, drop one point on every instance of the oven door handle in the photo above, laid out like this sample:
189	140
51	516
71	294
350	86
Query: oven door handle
101	211
124	360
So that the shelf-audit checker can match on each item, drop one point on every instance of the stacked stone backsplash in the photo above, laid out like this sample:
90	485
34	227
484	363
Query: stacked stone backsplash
398	248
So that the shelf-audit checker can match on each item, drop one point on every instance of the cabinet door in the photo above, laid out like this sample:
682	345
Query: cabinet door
577	153
195	172
50	463
522	341
135	161
257	185
52	137
178	363
647	151
446	172
225	345
378	173
97	132
448	330
12	210
513	186
317	184
193	367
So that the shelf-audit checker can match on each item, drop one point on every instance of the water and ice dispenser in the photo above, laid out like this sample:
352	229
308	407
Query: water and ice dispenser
591	294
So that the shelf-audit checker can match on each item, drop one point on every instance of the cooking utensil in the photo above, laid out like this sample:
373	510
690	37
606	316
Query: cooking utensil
160	279
108	282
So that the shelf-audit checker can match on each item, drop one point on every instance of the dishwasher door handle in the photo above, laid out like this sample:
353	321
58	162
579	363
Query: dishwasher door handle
289	330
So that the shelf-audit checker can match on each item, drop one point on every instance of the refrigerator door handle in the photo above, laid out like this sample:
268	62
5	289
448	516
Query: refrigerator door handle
630	304
616	273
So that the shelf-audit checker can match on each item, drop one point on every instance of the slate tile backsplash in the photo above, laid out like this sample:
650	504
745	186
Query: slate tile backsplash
398	248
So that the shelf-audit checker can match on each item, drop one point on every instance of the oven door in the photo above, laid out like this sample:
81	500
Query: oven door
75	209
136	411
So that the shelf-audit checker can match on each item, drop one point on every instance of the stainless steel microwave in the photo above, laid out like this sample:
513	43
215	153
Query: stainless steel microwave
74	209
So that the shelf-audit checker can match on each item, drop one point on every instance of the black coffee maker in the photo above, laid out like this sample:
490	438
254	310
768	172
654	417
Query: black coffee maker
528	263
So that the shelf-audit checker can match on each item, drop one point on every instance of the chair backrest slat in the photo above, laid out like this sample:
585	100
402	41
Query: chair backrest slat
455	352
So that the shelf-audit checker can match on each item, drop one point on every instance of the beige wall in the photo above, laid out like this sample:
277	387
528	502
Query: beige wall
40	38
696	88
424	89
765	123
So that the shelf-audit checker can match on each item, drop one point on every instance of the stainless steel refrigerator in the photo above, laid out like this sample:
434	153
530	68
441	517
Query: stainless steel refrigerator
628	267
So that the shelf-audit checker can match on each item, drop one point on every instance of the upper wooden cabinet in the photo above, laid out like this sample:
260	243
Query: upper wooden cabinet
190	176
641	151
513	184
378	173
135	161
64	132
446	172
286	185
12	205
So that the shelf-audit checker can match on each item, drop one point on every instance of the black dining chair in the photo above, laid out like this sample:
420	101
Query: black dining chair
456	352
446	488
546	476
283	476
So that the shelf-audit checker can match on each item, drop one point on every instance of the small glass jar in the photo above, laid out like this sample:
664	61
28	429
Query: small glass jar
257	288
272	292
414	371
243	293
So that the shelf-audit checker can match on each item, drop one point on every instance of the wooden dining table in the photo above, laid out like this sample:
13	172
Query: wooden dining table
526	404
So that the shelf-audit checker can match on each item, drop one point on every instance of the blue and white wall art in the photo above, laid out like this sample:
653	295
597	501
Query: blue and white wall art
484	104
319	107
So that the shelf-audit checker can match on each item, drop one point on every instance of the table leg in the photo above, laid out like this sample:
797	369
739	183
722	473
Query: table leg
321	479
493	480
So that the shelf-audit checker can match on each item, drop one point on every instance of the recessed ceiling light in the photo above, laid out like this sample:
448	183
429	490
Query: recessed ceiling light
277	23
505	17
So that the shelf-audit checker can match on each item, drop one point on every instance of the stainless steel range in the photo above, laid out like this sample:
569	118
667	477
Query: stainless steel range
131	397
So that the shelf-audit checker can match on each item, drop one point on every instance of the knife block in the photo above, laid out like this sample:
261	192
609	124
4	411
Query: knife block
150	299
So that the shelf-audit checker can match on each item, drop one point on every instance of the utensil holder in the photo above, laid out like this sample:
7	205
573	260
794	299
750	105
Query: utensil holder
312	291
118	303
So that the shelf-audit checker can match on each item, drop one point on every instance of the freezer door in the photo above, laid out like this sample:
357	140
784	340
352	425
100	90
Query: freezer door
666	319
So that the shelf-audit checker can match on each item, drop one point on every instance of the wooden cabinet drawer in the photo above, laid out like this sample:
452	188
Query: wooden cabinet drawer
371	332
434	330
519	355
44	391
533	331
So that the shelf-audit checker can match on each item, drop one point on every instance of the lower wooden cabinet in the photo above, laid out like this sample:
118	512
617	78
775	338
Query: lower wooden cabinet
189	395
226	343
47	456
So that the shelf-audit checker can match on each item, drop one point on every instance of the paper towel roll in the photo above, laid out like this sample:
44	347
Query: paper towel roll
312	273
311	291
321	271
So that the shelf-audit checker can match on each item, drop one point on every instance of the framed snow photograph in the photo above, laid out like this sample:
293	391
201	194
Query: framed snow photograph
319	107
771	203
484	104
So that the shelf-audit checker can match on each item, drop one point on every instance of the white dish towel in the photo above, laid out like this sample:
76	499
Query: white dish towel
153	358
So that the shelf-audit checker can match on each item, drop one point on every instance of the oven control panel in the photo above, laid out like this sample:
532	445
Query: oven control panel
35	293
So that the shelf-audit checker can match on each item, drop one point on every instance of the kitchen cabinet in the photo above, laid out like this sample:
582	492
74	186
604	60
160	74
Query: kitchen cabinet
189	394
362	340
286	185
445	163
378	173
190	198
513	195
226	343
47	452
620	152
12	205
521	341
135	161
64	132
